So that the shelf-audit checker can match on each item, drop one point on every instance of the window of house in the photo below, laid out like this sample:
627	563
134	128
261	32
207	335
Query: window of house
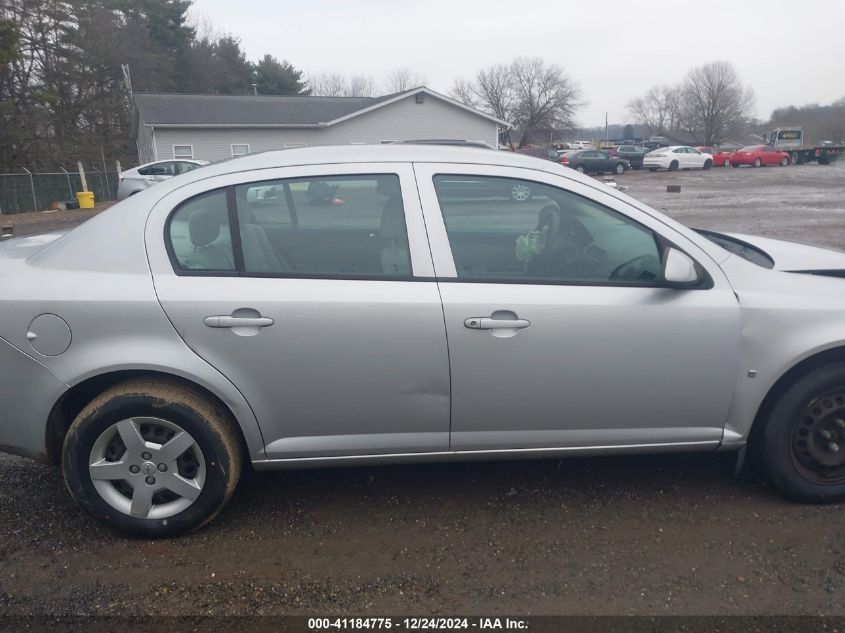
553	236
240	149
183	151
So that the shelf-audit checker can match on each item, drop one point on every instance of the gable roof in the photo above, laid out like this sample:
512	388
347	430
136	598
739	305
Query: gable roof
203	110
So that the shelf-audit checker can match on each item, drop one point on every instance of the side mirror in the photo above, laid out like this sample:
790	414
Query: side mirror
679	270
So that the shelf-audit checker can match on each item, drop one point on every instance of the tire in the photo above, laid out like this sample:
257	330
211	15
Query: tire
620	169
581	169
758	162
812	411
673	166
784	161
708	164
209	458
727	162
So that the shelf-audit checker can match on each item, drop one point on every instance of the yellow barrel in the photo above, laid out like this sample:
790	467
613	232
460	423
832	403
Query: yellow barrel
86	199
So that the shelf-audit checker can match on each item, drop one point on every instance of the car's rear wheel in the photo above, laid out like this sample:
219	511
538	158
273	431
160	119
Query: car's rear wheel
620	168
150	458
708	164
581	169
727	162
802	444
673	166
784	161
757	162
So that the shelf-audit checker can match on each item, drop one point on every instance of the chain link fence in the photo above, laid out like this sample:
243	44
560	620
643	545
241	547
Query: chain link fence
37	191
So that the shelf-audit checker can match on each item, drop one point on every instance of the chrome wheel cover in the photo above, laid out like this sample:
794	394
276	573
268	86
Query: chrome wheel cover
147	468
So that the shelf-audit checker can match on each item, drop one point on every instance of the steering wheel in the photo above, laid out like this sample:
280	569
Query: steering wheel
637	269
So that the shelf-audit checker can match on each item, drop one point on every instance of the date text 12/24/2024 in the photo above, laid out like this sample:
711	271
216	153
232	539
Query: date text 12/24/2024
417	624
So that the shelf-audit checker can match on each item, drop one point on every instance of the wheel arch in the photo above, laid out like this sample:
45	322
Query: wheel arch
819	359
72	401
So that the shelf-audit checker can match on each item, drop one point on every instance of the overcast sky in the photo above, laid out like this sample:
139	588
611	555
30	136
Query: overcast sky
789	51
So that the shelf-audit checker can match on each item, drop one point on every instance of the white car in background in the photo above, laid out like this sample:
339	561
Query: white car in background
677	157
145	176
579	145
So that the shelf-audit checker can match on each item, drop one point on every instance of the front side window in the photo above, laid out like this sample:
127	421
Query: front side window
553	237
183	151
332	226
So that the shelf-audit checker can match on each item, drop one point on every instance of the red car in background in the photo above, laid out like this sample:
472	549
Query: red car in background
721	157
759	155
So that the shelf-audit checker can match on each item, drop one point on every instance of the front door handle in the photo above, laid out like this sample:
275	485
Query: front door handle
234	321
487	323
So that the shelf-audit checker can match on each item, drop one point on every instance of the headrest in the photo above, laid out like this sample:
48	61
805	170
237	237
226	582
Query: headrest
204	226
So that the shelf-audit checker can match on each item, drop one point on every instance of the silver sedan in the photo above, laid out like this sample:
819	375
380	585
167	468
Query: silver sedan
393	304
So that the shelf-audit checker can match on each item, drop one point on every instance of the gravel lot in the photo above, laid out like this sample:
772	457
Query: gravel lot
626	535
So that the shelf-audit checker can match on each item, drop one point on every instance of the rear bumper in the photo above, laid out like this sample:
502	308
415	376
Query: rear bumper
27	393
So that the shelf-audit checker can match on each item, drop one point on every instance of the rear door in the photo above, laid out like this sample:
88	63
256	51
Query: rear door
316	299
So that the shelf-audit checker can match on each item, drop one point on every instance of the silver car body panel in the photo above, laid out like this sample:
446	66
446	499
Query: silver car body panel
792	256
350	342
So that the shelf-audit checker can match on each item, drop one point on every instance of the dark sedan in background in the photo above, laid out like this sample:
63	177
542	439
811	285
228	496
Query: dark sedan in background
632	153
593	161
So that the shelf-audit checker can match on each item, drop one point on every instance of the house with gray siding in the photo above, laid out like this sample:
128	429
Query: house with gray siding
215	127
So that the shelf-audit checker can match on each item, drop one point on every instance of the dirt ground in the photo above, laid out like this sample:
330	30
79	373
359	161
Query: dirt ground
676	534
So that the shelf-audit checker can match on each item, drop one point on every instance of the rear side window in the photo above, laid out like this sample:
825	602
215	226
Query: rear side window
333	226
199	234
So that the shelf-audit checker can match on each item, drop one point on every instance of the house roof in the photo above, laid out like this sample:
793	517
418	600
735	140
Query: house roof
203	110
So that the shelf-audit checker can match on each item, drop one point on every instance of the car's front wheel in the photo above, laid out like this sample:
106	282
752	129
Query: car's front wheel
152	458
620	168
758	162
802	444
708	164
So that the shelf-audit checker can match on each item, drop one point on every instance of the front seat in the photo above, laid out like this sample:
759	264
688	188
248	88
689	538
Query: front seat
259	256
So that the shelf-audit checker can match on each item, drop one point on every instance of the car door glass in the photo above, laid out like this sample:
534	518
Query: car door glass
329	226
555	236
198	234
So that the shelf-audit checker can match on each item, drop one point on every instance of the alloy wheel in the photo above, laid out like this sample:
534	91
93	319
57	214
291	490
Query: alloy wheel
147	468
520	192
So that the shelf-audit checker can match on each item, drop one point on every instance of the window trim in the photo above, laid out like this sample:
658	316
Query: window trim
175	157
234	145
237	247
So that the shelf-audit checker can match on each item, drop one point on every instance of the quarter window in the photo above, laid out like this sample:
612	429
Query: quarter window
183	151
553	236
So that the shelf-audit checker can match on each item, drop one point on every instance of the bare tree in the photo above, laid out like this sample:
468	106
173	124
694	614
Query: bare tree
528	92
714	103
658	109
361	86
327	84
402	79
545	97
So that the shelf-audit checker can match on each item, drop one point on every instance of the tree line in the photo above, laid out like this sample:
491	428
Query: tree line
710	105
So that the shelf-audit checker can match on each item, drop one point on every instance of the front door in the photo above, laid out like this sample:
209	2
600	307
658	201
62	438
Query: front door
311	290
559	332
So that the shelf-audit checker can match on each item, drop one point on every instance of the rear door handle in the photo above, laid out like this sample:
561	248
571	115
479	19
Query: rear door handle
486	323
232	321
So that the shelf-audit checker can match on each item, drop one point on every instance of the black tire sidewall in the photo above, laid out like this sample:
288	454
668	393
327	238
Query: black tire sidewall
776	437
77	451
